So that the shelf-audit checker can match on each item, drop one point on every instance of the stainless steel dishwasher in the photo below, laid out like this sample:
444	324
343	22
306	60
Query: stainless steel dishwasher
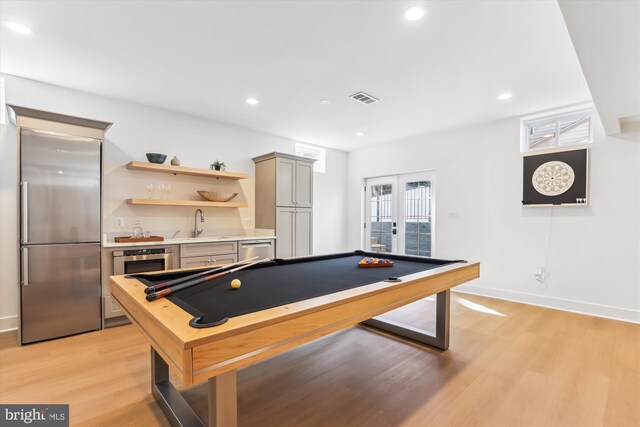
263	248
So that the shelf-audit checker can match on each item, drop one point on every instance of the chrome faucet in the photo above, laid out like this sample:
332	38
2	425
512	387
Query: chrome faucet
197	232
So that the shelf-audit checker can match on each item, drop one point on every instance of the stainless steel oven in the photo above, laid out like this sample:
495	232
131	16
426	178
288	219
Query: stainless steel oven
130	261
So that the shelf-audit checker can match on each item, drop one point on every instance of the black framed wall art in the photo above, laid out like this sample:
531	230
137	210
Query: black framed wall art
559	178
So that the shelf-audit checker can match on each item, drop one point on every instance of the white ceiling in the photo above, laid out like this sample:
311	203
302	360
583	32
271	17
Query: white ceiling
205	58
606	36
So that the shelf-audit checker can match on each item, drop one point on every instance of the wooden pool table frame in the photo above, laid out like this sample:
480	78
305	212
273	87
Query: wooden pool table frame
215	354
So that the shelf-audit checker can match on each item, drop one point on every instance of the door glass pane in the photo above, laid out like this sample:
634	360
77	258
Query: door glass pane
381	217
417	234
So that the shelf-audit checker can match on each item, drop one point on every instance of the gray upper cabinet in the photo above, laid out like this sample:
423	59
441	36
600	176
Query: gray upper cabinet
285	180
284	201
304	184
293	181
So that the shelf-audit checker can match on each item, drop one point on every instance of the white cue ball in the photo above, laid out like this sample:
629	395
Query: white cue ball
235	283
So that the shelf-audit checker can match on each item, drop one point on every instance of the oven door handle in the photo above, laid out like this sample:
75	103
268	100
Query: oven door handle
143	257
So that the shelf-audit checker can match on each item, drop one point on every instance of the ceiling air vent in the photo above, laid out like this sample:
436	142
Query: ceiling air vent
365	98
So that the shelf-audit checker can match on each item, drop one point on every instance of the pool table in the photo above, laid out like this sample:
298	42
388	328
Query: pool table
209	331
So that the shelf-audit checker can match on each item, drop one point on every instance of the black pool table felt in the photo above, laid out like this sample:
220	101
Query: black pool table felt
282	282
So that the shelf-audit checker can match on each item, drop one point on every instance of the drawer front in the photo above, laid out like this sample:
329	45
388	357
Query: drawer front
111	308
206	261
204	249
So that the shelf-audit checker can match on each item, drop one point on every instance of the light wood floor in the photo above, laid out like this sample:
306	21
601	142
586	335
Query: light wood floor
516	366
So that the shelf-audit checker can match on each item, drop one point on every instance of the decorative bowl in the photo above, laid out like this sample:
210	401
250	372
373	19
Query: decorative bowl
156	158
217	196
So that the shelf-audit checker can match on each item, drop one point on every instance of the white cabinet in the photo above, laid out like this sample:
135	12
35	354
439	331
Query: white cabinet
208	254
206	261
294	232
286	232
303	244
284	201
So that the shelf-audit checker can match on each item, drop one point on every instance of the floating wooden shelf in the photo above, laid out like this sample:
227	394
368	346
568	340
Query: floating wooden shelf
198	203
182	170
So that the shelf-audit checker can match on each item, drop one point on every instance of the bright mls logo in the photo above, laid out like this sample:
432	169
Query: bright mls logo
36	415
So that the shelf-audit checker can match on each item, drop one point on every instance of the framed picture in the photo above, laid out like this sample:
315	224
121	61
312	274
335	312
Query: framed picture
558	178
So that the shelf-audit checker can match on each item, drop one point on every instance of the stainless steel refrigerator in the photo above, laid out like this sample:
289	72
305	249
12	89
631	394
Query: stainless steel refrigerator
60	217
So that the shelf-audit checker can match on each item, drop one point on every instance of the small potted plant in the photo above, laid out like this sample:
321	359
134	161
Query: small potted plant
218	165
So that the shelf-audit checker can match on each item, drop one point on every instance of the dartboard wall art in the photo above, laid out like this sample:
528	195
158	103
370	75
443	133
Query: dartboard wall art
558	178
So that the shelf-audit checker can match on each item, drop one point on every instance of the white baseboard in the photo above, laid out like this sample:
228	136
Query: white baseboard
598	310
8	323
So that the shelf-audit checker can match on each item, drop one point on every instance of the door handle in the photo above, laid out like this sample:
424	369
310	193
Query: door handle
25	211
25	267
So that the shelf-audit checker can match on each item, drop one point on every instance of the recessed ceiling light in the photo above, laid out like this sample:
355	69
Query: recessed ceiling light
414	13
324	102
18	28
359	133
504	96
252	101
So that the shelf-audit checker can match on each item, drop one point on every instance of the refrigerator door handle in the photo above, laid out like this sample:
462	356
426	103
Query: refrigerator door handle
25	211
25	267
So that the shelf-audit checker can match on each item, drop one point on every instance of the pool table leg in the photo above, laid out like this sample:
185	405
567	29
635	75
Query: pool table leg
223	400
178	411
439	339
222	397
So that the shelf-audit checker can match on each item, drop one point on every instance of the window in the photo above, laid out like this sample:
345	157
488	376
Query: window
558	129
418	218
312	152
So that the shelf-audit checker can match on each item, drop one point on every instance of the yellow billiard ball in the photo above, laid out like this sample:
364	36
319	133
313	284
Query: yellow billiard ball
235	283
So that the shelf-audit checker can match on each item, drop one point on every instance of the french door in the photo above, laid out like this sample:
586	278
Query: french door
399	214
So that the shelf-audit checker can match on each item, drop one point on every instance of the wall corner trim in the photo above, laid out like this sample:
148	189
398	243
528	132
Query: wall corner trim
8	323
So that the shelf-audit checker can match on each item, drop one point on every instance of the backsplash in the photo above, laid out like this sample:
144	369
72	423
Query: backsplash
183	234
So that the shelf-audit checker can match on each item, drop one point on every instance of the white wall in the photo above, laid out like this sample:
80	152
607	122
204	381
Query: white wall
197	142
593	260
8	229
330	205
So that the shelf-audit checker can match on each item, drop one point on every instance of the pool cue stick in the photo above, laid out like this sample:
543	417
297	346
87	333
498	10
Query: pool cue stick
168	291
173	282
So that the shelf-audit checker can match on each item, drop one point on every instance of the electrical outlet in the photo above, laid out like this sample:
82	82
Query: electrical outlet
453	215
247	223
119	222
540	274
